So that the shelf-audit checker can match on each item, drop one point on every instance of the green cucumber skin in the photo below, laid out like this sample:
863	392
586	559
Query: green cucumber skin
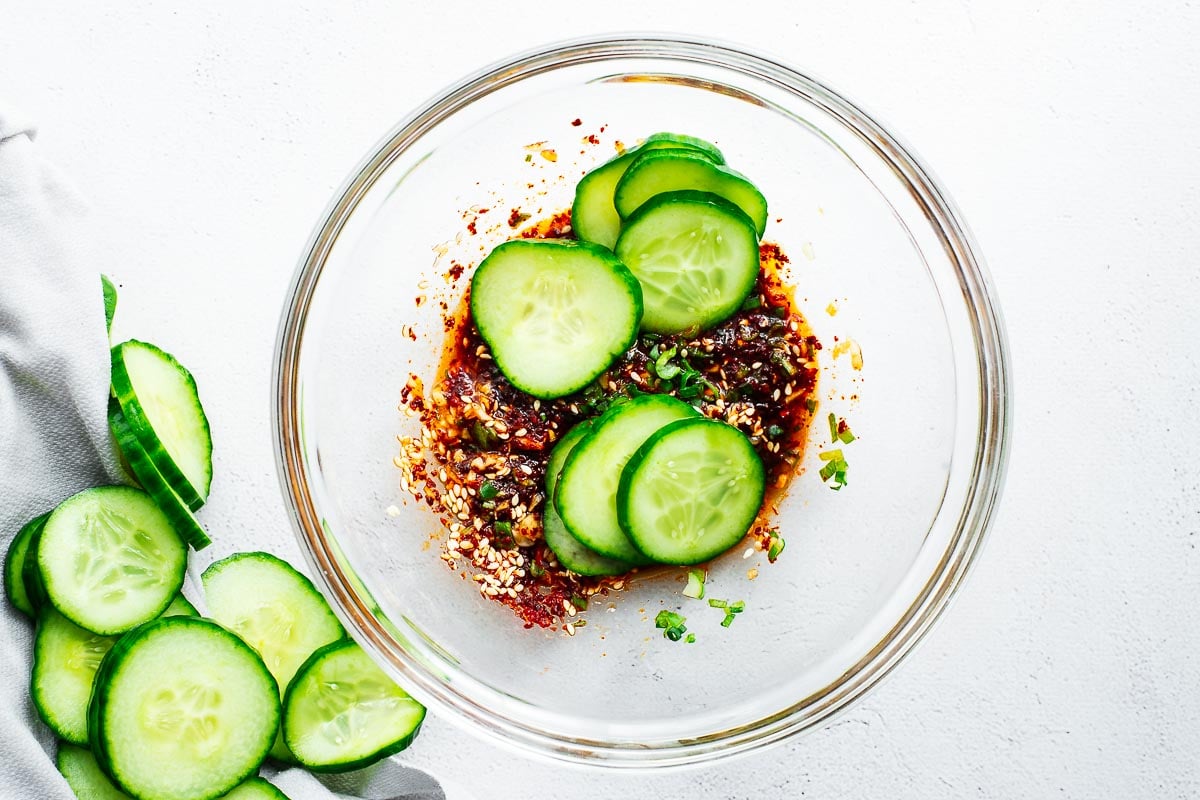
562	449
571	553
627	197
193	496
500	353
594	218
142	467
644	216
109	668
629	475
390	750
627	552
14	567
31	574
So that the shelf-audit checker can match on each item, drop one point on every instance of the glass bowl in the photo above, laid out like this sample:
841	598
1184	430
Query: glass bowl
883	266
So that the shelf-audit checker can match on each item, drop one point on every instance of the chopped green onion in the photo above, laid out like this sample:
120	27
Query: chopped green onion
833	427
738	607
579	601
716	603
752	302
672	624
775	548
528	157
504	527
580	623
691	638
830	455
536	570
695	584
845	435
774	432
488	490
663	367
810	404
725	623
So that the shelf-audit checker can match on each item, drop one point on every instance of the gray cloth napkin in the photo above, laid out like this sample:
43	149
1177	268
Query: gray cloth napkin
54	442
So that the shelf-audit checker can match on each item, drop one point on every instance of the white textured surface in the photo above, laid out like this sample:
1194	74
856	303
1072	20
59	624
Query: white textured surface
212	136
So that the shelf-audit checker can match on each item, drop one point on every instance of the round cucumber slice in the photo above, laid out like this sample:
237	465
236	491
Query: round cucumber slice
182	708
696	256
142	467
84	775
110	560
65	660
14	566
594	218
555	314
160	402
587	491
691	492
654	173
342	712
571	553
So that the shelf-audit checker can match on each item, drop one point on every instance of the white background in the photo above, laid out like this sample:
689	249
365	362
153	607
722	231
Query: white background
208	139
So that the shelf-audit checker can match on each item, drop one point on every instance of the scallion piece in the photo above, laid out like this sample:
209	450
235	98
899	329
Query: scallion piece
691	638
831	455
663	367
695	584
775	547
833	427
488	490
717	603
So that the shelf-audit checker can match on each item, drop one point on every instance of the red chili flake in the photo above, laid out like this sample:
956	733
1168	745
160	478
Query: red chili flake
471	227
576	122
516	218
593	139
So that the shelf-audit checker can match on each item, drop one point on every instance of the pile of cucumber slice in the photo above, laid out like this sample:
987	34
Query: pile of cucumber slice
149	699
667	243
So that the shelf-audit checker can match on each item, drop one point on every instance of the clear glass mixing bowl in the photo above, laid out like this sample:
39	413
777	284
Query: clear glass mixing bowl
867	570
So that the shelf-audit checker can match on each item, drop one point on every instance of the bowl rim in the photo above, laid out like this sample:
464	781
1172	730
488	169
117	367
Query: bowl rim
993	436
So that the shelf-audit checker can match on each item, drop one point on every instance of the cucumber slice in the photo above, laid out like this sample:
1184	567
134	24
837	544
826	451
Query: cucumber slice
691	491
65	660
658	172
159	400
554	313
696	256
142	467
110	301
275	610
182	710
594	218
587	491
256	789
14	566
571	553
109	559
84	775
342	712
